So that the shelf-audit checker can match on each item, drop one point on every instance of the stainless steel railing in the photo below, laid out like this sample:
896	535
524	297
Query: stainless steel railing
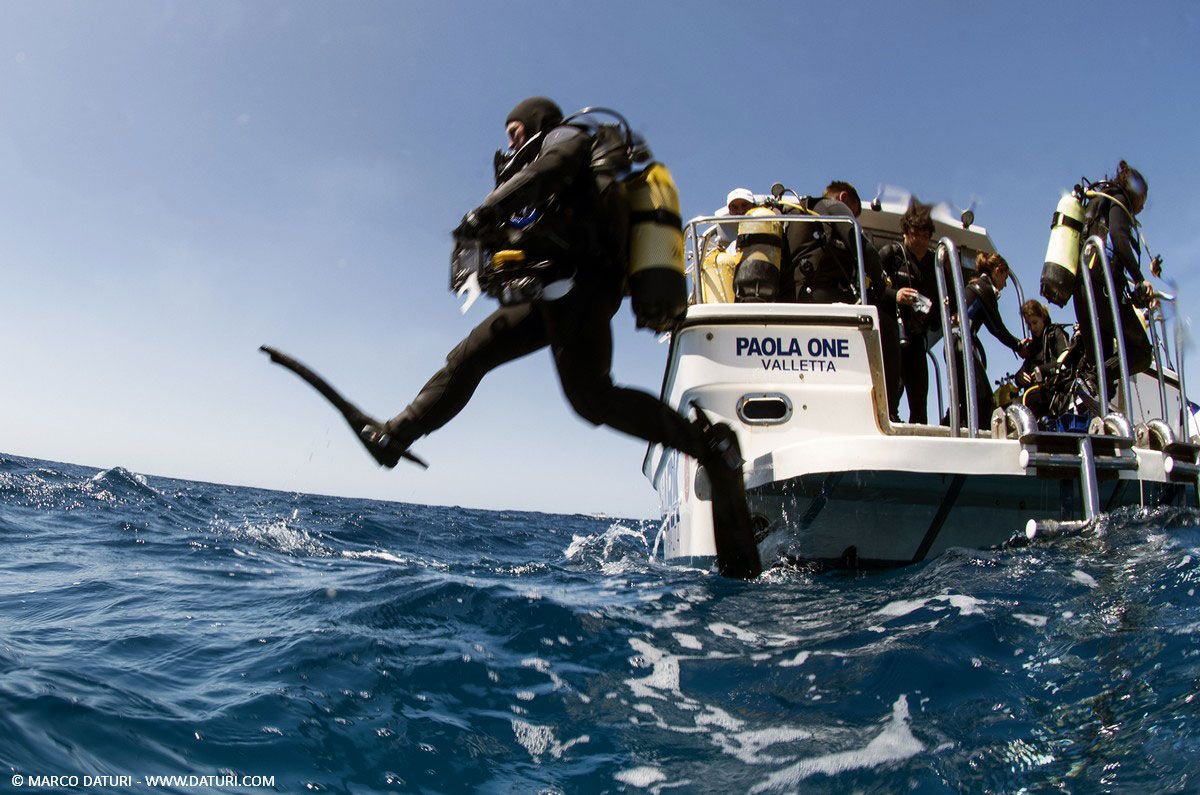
1089	295
1012	276
1185	411
1156	343
1095	246
947	254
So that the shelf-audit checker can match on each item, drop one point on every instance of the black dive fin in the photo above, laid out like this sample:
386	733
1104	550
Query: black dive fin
737	553
368	430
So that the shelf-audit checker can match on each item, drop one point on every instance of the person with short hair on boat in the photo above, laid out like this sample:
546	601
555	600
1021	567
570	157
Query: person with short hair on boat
821	269
909	264
1046	344
720	262
983	309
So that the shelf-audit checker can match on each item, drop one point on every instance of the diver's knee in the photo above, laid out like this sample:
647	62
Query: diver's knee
589	402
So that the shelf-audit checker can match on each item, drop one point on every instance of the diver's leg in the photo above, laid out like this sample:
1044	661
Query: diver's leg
889	341
1137	344
507	334
581	341
915	372
983	395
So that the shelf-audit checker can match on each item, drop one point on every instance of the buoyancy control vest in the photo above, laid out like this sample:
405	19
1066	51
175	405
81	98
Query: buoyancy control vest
647	230
819	257
633	212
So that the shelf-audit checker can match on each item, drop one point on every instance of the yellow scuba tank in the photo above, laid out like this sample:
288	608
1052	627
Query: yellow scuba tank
657	285
716	276
1062	252
761	244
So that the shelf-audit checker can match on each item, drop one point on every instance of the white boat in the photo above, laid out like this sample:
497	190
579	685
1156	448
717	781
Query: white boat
830	478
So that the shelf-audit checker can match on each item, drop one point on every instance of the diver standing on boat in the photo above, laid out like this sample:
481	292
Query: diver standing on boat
909	264
983	309
1112	216
820	258
1107	209
567	223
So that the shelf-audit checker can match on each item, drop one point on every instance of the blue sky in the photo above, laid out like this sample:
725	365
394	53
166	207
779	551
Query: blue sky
182	182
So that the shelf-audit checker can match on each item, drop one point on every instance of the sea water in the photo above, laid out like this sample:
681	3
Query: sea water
155	627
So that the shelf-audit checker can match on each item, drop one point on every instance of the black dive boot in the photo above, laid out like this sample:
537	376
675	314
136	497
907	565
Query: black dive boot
382	441
737	553
388	442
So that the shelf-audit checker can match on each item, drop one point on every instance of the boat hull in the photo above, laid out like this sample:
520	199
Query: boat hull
872	518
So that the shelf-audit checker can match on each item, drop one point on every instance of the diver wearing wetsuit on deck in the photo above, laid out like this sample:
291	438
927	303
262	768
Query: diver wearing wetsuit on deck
909	265
820	269
1111	215
983	309
1046	344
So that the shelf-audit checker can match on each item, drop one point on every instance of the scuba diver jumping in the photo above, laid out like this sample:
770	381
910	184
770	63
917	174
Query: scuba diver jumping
553	243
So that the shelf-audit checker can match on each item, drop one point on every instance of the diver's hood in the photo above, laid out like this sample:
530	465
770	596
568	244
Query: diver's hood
1134	186
539	115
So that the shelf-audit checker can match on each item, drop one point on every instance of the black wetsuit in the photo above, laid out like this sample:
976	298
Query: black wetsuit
1041	363
1112	223
1041	359
575	327
820	262
983	309
905	270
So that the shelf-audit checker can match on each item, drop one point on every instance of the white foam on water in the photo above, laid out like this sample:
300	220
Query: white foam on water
688	641
901	607
375	554
605	540
1084	578
796	661
966	605
748	746
663	678
894	744
1030	619
543	667
280	536
715	716
723	630
540	740
642	777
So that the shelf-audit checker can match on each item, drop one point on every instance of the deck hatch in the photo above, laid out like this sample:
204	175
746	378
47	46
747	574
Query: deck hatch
766	408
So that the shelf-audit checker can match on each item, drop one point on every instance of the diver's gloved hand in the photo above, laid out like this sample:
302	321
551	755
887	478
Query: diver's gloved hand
1143	294
474	224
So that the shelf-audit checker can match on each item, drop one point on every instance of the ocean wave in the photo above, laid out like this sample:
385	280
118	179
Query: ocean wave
155	625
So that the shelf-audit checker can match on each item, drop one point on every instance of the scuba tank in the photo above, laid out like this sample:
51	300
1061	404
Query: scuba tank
761	245
1062	252
716	276
657	286
649	230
